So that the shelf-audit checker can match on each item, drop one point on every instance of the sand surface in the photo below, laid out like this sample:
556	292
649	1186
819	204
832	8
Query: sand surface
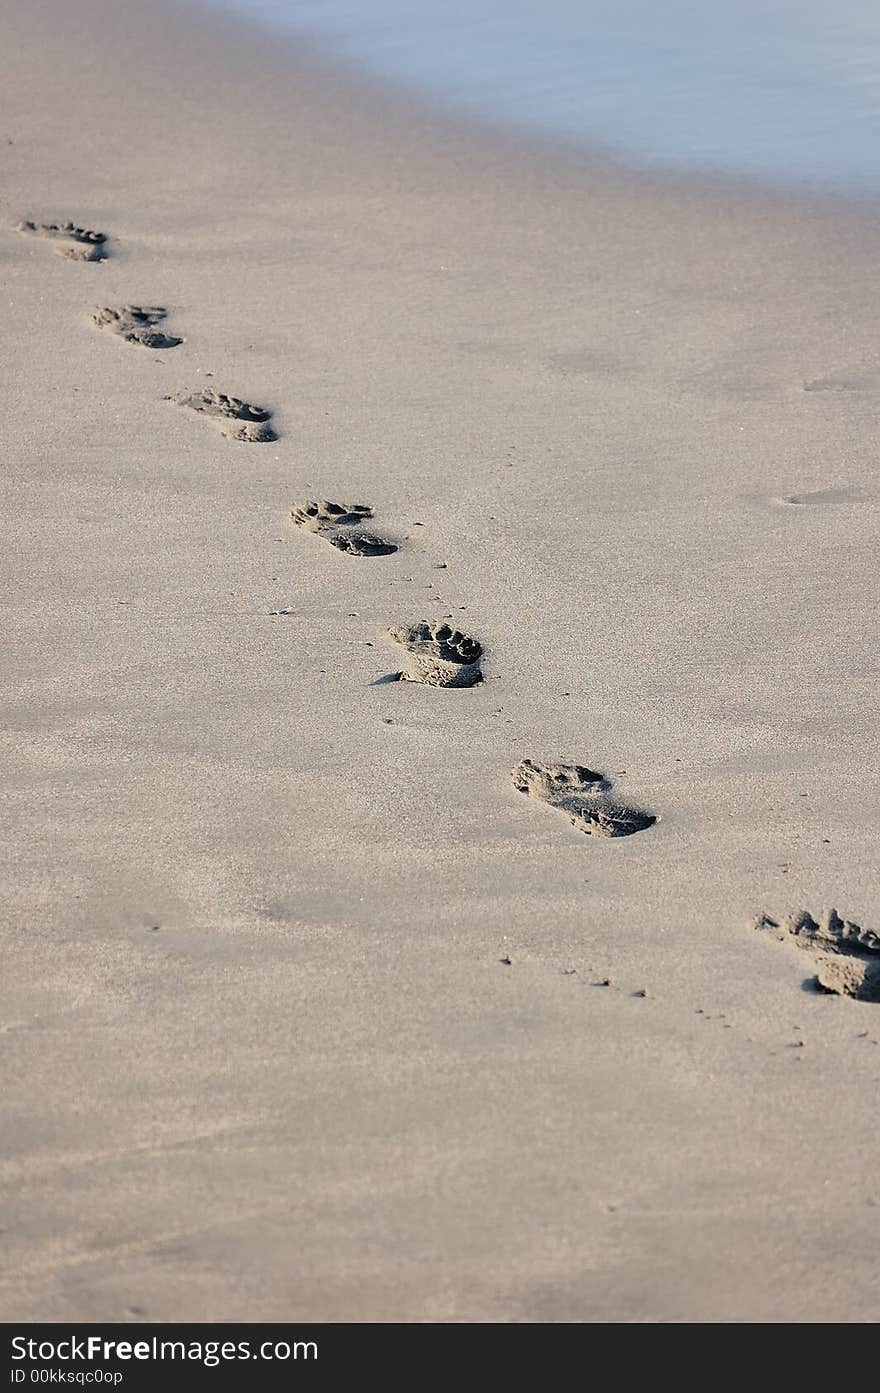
298	1002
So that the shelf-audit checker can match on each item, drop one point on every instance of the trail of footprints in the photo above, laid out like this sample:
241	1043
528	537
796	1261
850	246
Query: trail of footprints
847	956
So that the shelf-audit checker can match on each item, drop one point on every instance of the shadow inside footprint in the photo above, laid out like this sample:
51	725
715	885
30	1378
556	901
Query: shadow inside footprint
238	420
581	794
136	324
361	544
78	243
339	523
439	655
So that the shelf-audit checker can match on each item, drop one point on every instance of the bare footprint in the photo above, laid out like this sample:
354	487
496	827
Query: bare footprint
237	419
339	524
581	793
77	243
136	324
846	955
839	382
819	497
439	655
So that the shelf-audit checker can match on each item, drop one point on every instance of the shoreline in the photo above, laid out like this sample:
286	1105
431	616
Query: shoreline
301	995
395	101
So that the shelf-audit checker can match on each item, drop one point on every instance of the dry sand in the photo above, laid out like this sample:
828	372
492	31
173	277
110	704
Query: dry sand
298	1006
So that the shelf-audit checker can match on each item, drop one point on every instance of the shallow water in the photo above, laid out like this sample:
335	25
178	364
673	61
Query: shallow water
782	90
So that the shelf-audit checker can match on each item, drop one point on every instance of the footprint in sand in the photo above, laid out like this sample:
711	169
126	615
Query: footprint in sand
340	525
822	497
846	955
237	419
581	794
137	324
439	655
839	382
76	243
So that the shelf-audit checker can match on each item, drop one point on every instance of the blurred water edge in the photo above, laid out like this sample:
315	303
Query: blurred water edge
781	90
